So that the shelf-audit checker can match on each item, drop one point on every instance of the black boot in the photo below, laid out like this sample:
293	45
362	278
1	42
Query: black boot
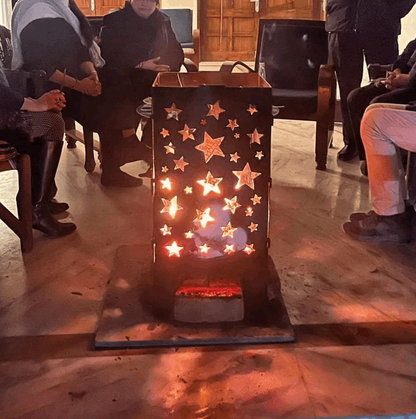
111	162
42	182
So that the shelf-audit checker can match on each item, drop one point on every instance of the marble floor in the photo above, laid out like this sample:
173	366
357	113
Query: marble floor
352	306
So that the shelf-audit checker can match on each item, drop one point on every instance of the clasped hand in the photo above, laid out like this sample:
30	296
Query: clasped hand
89	85
395	79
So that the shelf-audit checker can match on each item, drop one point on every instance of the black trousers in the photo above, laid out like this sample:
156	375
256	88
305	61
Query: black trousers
360	98
347	56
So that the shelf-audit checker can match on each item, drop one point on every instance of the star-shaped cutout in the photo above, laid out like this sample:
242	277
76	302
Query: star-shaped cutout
259	155
211	147
246	177
215	110
204	248
171	206
256	199
166	231
231	204
210	184
237	136
249	212
252	109
229	248
228	230
166	184
170	148
174	249
203	121
165	169
255	137
234	157
203	217
173	112
189	235
232	123
180	164
253	227
164	133
188	190
187	132
249	249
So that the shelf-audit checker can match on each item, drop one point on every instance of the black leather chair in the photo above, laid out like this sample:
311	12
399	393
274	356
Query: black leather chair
292	56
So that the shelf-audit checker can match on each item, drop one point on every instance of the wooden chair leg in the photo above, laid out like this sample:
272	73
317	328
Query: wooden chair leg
322	141
24	202
70	126
89	151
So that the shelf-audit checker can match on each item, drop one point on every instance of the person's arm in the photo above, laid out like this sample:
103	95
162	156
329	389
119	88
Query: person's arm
11	101
402	60
175	56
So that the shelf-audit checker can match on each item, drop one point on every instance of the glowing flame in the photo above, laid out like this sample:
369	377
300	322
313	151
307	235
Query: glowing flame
203	217
171	206
204	248
166	184
210	184
174	249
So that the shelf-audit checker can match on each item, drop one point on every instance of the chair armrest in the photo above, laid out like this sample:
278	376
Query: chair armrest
228	66
376	71
190	66
326	89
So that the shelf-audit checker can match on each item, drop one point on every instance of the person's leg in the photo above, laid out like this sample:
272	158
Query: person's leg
48	130
357	101
347	57
385	127
48	126
111	154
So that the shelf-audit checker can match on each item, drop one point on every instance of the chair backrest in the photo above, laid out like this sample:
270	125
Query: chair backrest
292	51
5	47
181	20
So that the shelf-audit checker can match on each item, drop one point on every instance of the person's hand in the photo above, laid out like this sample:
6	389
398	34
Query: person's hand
395	79
153	65
94	76
89	86
50	101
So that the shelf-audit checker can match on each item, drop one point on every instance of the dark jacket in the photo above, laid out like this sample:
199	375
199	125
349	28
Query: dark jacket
402	62
52	44
368	17
341	15
127	39
10	101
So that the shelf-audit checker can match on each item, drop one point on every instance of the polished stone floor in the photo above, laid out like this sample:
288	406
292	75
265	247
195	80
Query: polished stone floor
352	306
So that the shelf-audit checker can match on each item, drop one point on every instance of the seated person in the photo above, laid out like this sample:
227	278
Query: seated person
54	35
139	39
385	127
23	119
387	90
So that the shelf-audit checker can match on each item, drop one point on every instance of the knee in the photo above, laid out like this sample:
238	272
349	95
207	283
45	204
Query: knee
58	126
353	97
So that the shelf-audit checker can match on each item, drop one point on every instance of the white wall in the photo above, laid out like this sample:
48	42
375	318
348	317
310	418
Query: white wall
5	12
408	29
182	4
